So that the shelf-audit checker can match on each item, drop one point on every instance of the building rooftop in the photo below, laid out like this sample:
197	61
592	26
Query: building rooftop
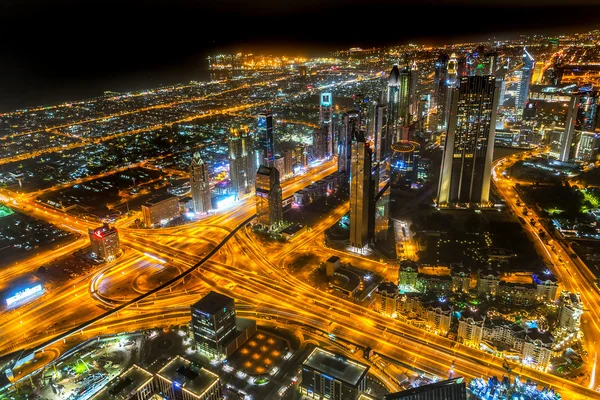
336	366
192	378
126	385
333	259
104	230
425	389
160	198
389	287
213	302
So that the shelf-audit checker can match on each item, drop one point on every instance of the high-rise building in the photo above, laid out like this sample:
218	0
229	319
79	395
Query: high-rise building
200	185
470	328
380	132
326	122
265	144
362	195
241	162
440	90
489	64
413	98
523	81
581	127
326	375
105	242
398	101
213	323
348	131
180	379
320	143
288	165
467	160
451	389
269	209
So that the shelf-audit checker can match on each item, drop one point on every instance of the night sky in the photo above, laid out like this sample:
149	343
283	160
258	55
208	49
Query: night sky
69	49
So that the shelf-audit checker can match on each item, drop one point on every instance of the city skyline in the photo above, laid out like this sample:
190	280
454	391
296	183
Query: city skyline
366	223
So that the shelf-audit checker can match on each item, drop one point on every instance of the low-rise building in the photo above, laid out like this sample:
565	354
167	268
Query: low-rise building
180	379
386	299
470	328
105	242
160	210
326	375
439	317
134	384
407	273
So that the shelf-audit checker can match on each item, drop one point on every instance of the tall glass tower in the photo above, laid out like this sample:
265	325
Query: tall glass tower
241	163
524	79
265	147
200	185
467	161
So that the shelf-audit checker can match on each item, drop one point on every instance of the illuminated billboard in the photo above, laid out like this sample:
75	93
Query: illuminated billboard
24	294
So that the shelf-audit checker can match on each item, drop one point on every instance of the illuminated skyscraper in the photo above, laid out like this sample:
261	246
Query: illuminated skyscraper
241	162
398	102
449	85
524	79
440	89
325	121
320	143
348	131
413	98
269	209
104	242
467	161
200	185
362	195
265	145
581	121
380	132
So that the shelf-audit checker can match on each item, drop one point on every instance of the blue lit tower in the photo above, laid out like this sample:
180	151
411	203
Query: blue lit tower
524	79
467	160
325	121
265	151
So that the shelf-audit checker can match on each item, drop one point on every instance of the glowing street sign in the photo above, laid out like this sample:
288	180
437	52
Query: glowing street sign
24	294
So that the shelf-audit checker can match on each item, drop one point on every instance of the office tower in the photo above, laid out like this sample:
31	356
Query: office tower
380	132
200	185
213	323
451	389
160	210
439	79
450	84
348	131
180	379
440	90
361	194
269	211
105	242
320	143
467	160
395	102
241	162
413	98
404	164
489	64
326	122
265	146
567	149
581	123
523	81
327	375
538	73
288	166
134	384
361	106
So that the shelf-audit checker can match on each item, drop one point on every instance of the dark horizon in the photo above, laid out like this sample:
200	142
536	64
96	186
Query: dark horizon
80	52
